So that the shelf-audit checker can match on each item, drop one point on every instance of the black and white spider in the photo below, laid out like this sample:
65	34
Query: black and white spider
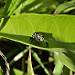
38	37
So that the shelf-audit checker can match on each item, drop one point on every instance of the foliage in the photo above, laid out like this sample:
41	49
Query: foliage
21	18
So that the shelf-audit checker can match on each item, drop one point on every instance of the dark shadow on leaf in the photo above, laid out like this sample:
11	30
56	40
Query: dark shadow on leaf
52	42
47	36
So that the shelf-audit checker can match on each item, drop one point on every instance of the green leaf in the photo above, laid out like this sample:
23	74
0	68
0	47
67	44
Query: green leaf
16	72
1	71
71	55
27	24
67	61
69	9
58	66
30	68
14	7
21	27
64	6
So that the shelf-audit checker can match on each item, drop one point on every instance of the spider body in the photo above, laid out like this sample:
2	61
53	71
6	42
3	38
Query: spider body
38	37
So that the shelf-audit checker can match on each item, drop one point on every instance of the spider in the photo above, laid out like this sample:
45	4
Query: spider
38	37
